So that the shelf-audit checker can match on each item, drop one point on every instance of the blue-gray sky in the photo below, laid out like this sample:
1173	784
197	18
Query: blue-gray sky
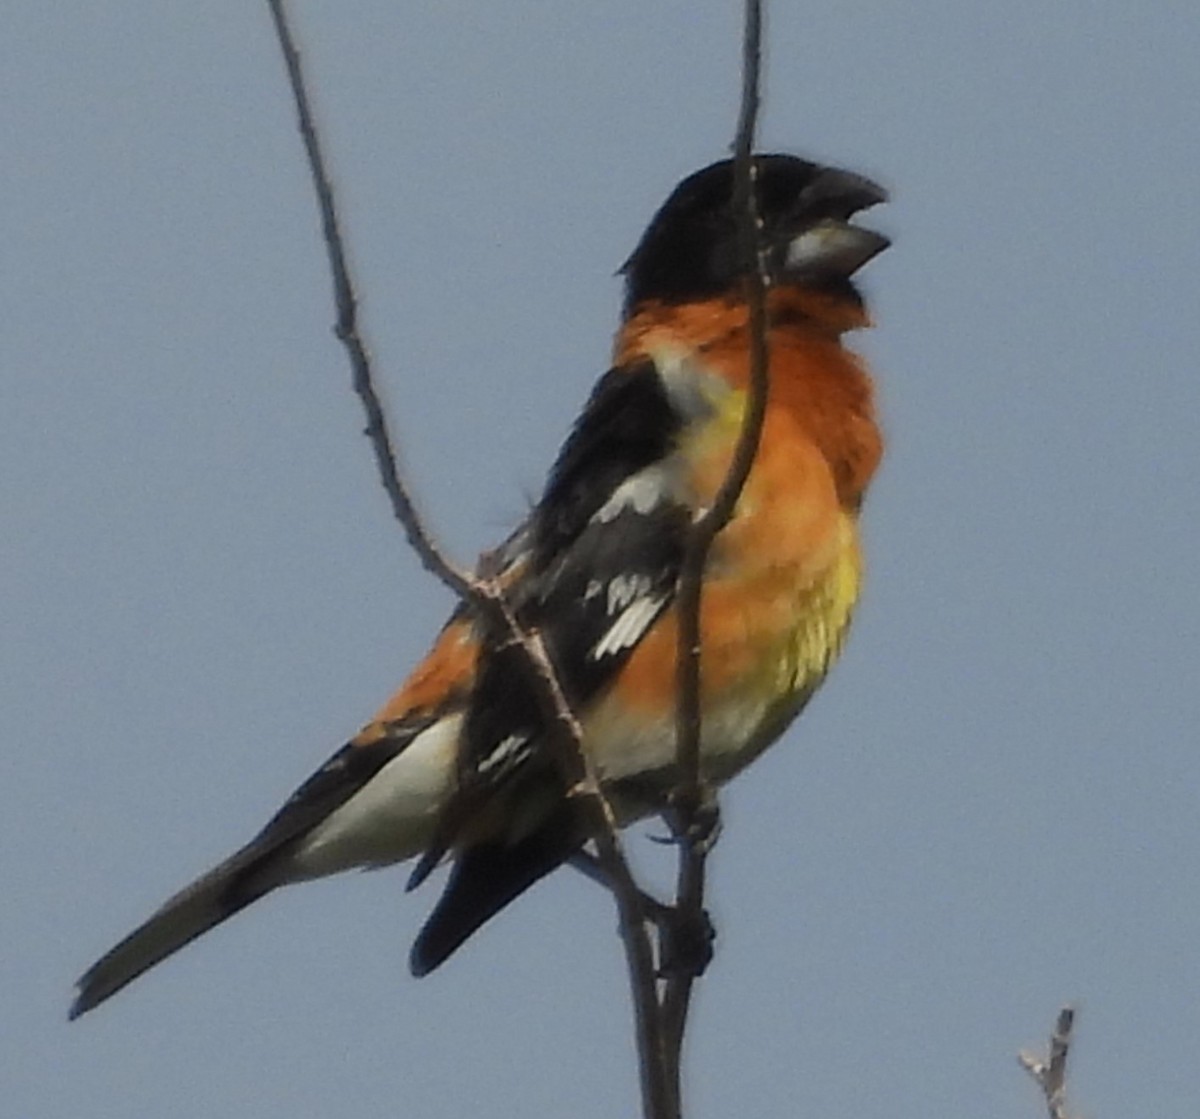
991	808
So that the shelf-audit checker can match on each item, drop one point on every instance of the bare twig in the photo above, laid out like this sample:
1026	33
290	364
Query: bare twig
348	329
694	811
706	527
658	1098
487	598
1051	1074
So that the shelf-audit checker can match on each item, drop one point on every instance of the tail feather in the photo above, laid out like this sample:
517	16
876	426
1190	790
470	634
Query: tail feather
211	899
259	867
485	879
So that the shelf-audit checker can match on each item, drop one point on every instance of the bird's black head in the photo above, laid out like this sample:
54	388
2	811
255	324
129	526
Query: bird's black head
690	249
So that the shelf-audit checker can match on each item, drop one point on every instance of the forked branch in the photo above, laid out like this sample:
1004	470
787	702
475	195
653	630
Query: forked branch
1050	1074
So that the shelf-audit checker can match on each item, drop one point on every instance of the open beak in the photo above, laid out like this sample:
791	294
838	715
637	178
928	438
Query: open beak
832	248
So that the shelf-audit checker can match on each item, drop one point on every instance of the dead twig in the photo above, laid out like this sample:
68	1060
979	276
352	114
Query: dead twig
694	809
487	599
1051	1074
350	332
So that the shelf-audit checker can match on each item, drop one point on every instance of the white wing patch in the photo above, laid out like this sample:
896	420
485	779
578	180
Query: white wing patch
514	748
627	630
623	589
639	493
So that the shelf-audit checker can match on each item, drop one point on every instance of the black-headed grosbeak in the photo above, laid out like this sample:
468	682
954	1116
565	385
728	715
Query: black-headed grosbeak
456	765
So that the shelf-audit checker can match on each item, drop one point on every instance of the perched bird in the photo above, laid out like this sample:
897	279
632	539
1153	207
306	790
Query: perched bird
456	765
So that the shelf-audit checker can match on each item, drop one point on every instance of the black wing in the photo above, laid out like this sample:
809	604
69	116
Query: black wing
627	425
604	548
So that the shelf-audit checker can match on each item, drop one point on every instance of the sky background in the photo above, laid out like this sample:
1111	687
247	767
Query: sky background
992	807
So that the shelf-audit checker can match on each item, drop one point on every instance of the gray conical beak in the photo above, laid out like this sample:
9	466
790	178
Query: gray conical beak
832	248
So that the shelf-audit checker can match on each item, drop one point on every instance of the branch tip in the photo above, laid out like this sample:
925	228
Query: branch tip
1050	1073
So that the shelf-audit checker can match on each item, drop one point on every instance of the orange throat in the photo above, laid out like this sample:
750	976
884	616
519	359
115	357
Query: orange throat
815	382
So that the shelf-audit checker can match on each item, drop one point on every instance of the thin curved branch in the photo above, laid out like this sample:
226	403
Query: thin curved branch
692	800
349	331
488	600
716	517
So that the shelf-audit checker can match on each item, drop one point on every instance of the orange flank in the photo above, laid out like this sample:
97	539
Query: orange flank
444	675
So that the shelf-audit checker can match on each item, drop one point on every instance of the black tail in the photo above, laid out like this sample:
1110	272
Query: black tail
208	901
485	879
253	871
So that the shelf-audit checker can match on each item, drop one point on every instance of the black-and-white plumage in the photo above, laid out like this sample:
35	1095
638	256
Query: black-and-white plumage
605	543
456	765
